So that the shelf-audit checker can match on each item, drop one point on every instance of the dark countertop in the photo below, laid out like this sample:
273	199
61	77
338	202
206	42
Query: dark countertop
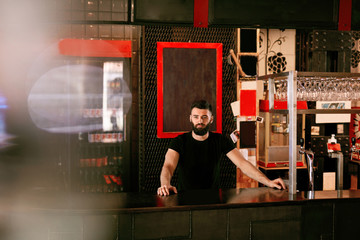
83	203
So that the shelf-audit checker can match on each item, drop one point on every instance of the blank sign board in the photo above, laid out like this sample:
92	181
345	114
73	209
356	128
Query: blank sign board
187	72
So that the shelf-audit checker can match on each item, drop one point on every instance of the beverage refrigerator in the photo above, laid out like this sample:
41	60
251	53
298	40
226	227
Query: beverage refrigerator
85	103
104	150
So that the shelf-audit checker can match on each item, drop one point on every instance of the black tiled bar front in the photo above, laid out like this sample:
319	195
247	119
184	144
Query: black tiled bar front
254	213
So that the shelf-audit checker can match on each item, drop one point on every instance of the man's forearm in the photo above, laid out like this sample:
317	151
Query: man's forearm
249	170
165	176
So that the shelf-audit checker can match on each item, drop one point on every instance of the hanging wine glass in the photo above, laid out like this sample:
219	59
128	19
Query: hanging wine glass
329	89
314	89
300	92
343	93
348	89
284	90
356	89
307	86
322	89
277	90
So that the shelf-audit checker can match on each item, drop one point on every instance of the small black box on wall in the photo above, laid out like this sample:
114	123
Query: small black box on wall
248	134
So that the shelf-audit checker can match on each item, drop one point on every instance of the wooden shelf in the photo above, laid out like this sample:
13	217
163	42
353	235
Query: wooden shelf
281	168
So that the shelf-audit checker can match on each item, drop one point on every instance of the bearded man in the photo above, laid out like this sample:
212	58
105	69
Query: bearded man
197	154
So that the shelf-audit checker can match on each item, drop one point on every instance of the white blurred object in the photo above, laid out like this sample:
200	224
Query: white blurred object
56	101
59	98
4	137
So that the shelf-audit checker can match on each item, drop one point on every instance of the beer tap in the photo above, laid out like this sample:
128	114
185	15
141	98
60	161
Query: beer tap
334	151
310	163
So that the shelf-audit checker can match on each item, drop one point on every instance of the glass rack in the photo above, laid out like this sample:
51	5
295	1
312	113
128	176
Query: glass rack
308	86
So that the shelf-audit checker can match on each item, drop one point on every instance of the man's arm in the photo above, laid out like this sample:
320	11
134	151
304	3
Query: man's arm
252	172
171	161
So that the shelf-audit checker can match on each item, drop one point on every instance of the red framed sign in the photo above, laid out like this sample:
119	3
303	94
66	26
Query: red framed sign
187	72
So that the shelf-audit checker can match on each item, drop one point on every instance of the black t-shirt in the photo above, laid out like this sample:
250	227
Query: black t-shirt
199	161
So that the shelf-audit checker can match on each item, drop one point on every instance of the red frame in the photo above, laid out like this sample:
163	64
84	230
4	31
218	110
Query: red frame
160	109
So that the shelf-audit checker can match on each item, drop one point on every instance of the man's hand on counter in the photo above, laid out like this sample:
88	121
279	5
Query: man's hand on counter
165	190
277	183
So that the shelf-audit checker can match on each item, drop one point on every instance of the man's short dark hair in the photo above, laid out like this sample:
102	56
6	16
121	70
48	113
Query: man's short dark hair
201	104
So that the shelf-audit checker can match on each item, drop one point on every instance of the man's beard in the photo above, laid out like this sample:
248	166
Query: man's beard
201	131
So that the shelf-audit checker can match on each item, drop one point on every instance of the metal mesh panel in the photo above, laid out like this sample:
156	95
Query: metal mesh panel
153	149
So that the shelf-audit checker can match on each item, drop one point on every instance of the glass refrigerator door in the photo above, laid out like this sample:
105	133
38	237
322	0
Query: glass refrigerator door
105	154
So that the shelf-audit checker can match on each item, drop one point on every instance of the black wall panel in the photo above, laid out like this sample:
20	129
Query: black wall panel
275	14
308	14
152	149
164	11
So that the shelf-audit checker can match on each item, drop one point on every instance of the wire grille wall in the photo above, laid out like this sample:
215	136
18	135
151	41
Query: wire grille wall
152	149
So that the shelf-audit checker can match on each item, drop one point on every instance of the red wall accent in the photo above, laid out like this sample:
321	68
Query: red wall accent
95	48
201	13
344	15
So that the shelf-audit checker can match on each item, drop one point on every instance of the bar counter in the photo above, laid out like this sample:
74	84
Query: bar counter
253	213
